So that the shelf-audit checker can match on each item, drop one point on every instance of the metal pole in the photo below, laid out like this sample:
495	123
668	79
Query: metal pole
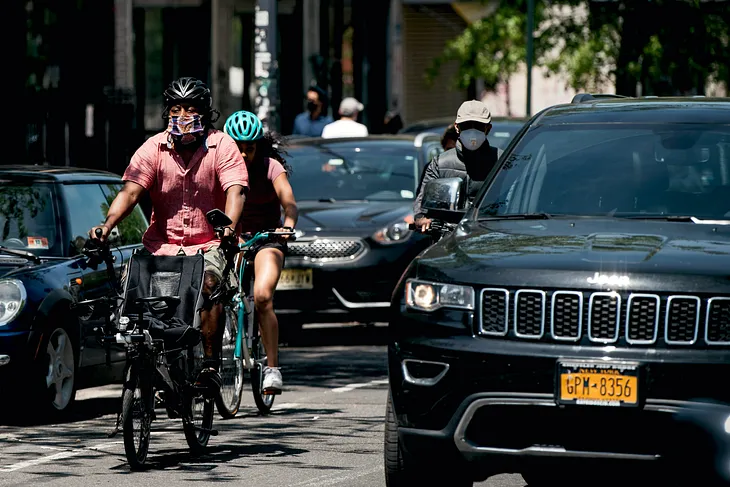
266	67
530	52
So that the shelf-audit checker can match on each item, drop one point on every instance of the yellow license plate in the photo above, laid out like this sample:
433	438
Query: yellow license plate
294	279
598	384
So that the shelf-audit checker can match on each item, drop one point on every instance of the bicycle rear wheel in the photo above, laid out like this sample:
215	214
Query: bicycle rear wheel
231	370
138	403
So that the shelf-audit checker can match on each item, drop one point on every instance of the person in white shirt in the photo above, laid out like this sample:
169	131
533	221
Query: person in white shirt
347	125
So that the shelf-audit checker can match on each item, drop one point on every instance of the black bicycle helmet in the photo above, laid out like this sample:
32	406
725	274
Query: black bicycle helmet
188	89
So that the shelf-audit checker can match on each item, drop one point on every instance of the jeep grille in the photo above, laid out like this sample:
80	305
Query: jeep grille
604	317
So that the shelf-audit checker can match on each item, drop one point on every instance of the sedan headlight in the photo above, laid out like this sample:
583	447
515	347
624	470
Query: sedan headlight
429	296
394	233
12	300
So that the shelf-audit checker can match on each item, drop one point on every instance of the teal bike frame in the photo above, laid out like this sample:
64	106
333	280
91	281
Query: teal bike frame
241	305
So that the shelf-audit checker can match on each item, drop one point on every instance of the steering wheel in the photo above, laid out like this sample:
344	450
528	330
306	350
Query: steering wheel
15	242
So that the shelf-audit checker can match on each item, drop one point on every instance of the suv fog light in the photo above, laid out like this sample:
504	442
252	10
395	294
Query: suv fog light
727	425
423	372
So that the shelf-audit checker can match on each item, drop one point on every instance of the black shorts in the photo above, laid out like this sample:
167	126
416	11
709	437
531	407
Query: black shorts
269	244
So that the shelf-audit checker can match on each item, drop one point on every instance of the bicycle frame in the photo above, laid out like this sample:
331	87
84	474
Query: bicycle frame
242	311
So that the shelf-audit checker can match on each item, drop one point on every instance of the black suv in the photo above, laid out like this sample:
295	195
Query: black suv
579	313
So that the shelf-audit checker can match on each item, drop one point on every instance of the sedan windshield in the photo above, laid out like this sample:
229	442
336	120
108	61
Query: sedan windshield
354	171
620	170
28	218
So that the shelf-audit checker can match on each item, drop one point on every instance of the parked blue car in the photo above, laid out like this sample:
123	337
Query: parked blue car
47	350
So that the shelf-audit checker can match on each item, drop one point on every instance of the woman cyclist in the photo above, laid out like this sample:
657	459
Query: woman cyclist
269	193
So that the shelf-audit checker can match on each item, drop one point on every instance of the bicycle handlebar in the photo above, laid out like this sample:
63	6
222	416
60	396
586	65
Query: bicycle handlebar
97	252
437	226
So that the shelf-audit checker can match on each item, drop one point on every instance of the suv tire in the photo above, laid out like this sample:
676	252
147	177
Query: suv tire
402	470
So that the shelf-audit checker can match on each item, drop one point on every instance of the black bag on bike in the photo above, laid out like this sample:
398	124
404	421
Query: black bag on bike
179	278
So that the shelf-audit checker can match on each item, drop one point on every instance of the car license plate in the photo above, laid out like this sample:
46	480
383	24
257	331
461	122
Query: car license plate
598	383
294	279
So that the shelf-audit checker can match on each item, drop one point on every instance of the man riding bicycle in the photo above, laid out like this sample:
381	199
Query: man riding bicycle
270	192
188	170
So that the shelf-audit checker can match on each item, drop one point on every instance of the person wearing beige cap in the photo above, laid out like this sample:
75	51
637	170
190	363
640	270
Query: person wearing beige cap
347	125
471	159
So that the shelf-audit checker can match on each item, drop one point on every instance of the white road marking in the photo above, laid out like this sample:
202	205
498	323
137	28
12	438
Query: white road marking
352	387
285	405
334	479
39	461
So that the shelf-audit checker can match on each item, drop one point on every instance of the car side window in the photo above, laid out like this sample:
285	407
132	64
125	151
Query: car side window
130	230
86	208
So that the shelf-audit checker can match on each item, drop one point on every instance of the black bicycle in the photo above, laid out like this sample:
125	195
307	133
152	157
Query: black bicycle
163	347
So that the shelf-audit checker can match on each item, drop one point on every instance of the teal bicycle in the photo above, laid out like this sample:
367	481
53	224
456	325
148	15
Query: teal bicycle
242	349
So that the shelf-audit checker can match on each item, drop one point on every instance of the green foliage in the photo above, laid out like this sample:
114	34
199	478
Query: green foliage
671	46
17	202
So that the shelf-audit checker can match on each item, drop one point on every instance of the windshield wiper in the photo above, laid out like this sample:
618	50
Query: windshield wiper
21	253
519	216
327	200
678	218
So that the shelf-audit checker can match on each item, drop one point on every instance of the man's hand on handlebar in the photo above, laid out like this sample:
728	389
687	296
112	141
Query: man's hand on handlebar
100	233
423	224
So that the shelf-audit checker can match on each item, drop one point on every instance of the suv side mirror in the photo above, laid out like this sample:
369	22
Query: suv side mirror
443	200
217	218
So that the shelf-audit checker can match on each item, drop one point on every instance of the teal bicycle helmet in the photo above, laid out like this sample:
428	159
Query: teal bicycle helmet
244	126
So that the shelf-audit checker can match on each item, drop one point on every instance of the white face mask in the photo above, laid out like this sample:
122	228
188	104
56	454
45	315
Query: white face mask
472	138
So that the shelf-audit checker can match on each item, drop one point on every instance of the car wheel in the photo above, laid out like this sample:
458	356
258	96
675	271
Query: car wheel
57	366
404	471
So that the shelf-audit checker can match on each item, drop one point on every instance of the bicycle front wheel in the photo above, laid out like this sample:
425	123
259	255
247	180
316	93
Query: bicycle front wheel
228	401
199	411
138	404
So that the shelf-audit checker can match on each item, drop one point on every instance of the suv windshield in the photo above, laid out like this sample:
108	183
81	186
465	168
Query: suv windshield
363	171
629	170
28	218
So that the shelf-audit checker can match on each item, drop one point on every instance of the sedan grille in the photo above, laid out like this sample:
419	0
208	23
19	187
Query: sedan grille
632	319
327	249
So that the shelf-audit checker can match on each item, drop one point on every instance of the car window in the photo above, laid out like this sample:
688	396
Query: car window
131	229
502	133
616	170
360	171
28	218
87	208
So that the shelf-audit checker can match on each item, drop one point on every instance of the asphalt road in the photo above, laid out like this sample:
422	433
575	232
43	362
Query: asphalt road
325	430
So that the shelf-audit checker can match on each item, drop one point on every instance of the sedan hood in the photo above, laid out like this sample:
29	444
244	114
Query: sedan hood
597	251
350	217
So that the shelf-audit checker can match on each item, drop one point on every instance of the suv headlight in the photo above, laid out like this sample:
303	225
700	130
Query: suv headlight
429	296
12	300
394	233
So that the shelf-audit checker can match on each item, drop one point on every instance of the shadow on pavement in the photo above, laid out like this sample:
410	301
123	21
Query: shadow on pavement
84	410
340	334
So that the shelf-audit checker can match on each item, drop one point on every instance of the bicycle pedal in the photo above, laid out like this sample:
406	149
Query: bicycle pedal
271	392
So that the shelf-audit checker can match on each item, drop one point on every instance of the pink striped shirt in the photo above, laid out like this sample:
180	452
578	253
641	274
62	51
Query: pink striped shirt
181	196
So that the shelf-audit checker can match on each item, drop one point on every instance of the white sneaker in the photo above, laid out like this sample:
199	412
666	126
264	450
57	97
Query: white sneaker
272	380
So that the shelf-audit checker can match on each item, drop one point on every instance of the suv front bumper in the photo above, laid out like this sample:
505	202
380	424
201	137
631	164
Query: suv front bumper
495	405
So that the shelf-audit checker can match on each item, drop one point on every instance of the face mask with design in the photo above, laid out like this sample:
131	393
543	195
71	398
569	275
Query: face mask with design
185	129
472	139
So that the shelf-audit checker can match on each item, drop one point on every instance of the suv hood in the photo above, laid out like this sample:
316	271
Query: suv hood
562	252
359	218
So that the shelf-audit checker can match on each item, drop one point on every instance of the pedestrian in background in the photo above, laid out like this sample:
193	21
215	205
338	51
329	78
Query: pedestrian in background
311	122
347	125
